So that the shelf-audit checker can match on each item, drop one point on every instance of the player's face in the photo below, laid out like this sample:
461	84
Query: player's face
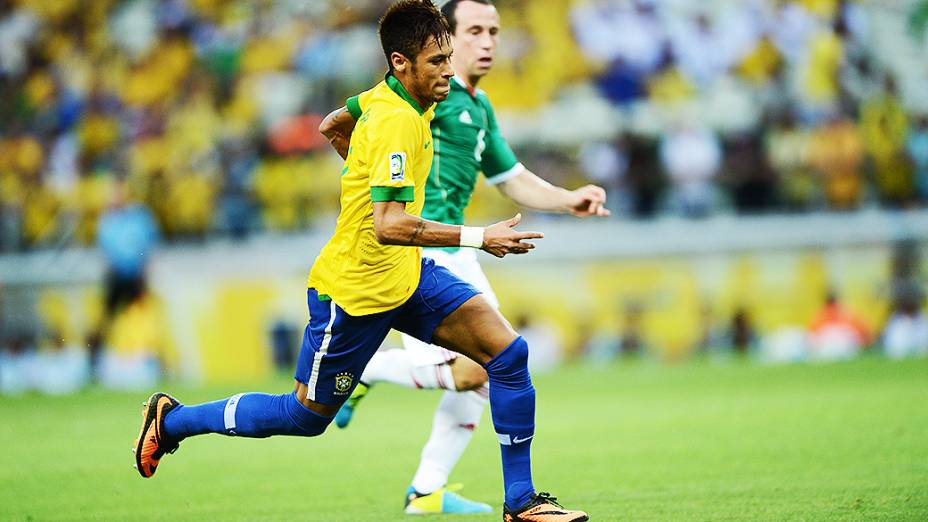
475	38
431	72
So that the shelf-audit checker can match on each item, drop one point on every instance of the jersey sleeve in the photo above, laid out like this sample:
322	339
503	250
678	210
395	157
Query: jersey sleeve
498	161
395	145
354	106
356	103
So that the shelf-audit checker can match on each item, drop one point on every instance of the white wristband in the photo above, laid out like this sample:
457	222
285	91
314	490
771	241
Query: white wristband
472	237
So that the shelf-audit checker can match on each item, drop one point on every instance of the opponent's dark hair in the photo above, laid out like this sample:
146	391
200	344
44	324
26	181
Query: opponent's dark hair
407	26
451	6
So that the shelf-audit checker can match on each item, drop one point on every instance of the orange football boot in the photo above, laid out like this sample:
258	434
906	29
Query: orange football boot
152	443
542	507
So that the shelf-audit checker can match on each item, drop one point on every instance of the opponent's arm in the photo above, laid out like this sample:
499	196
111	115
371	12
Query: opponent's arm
501	167
393	226
530	191
337	128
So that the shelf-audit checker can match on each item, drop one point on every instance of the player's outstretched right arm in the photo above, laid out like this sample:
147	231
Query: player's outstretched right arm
393	226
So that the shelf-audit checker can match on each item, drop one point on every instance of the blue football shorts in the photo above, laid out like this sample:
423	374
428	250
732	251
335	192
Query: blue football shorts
337	346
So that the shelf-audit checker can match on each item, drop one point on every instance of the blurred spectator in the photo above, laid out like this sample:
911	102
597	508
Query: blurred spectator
836	332
284	338
237	211
644	182
788	151
817	74
884	125
691	155
127	235
906	331
836	152
631	338
741	335
748	174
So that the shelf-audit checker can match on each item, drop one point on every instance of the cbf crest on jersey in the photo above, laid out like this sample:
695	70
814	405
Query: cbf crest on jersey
343	383
397	166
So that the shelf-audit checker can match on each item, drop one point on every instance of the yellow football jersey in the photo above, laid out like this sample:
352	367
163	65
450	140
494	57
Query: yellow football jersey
389	159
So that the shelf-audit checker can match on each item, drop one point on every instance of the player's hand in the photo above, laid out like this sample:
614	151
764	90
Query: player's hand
589	201
501	239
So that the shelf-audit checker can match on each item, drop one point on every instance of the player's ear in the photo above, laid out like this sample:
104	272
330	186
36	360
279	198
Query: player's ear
398	61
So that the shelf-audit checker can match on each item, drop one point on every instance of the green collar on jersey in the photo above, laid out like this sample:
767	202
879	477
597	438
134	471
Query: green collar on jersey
397	87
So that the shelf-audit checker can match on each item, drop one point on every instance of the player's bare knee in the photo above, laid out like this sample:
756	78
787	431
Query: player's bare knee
521	350
471	378
511	360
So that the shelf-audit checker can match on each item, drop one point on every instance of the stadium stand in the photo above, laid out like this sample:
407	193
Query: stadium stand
209	108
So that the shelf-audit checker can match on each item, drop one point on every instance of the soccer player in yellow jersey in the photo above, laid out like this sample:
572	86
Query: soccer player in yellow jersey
468	144
371	277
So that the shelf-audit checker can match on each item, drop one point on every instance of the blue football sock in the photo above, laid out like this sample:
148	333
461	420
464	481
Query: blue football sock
255	415
512	406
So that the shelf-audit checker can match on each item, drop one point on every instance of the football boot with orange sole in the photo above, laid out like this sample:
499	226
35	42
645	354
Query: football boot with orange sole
542	507
153	443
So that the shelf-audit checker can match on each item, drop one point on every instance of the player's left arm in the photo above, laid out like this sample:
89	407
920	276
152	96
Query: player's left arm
501	168
529	190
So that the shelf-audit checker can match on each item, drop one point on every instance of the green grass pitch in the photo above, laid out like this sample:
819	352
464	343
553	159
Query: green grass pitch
698	441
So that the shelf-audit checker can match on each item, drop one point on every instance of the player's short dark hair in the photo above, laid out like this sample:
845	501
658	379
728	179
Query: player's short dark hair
451	6
407	26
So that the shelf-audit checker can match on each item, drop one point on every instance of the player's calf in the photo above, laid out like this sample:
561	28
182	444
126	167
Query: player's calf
512	407
254	415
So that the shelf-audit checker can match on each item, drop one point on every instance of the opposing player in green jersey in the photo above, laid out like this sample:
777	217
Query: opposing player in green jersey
466	141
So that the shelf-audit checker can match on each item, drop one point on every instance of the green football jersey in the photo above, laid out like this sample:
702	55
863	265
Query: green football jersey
467	141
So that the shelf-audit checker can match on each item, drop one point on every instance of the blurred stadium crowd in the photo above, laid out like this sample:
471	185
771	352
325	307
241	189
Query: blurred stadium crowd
206	111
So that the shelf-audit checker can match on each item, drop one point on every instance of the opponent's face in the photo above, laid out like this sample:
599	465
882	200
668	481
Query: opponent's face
431	72
475	38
